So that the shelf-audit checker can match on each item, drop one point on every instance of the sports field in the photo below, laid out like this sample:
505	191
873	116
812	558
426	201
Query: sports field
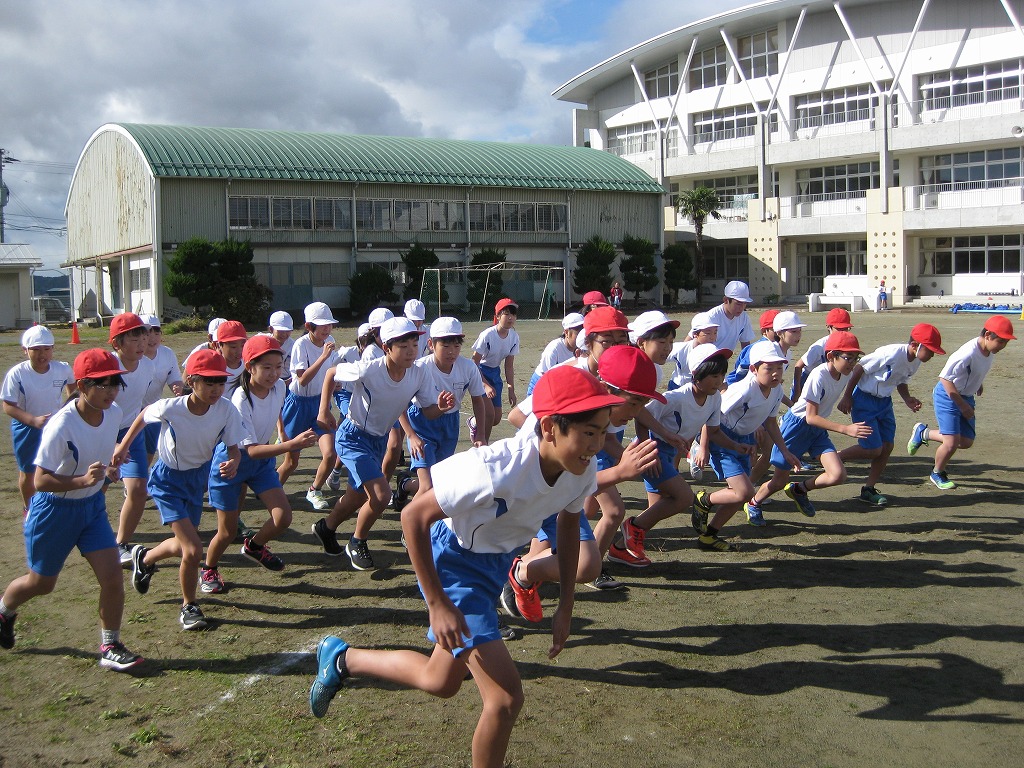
861	637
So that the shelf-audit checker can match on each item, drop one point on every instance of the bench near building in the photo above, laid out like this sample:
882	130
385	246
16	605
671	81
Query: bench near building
319	207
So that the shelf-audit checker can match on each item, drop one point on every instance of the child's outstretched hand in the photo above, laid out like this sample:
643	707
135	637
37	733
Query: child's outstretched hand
304	440
638	457
913	404
228	468
446	401
858	430
120	454
560	623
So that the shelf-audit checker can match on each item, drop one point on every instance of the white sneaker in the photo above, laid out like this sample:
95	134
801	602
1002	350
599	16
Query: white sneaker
334	480
316	498
696	473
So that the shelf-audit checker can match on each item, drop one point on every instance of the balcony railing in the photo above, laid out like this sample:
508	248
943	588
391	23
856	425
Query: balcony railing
964	194
825	204
938	109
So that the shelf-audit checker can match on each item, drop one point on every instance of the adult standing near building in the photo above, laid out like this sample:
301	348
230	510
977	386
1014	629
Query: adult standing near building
731	316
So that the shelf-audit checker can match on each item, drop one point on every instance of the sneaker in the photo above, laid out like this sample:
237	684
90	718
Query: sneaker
803	503
507	600
210	581
871	496
115	656
715	543
634	538
941	481
702	509
124	551
806	466
192	617
605	582
244	531
507	633
358	552
754	515
334	480
401	495
263	556
328	538
471	423
696	472
316	497
330	672
7	631
141	573
625	557
526	598
918	438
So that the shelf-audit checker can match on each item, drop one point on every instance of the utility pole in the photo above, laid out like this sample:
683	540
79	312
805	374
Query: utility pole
5	158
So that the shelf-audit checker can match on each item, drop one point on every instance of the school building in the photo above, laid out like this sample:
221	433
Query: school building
851	142
318	208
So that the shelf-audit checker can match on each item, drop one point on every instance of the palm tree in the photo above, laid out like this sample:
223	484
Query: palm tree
697	205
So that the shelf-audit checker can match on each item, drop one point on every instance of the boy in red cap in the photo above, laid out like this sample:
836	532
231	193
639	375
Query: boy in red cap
495	346
463	535
592	300
953	397
868	399
837	319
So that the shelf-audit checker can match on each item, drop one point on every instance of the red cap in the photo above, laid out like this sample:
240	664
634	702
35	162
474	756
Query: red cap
839	319
591	298
604	318
259	345
128	321
629	369
928	336
566	389
206	362
230	330
1000	326
767	318
503	304
842	341
96	364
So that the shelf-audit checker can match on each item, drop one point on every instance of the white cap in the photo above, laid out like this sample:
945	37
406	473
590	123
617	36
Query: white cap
648	321
739	291
785	321
701	322
704	352
444	327
379	316
37	336
766	352
281	321
397	326
214	325
572	320
319	313
151	321
415	310
363	329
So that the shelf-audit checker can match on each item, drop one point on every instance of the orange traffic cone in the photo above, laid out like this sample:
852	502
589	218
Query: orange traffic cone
74	334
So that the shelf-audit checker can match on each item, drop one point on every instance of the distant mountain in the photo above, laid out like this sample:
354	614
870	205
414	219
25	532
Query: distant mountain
43	283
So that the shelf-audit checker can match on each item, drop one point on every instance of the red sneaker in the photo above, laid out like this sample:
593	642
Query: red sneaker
527	599
620	555
634	539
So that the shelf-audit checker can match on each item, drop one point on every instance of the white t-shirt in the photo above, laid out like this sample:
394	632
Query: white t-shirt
821	389
136	384
204	345
165	373
464	377
967	368
745	408
493	349
377	399
259	417
555	353
304	354
814	356
681	373
731	330
186	440
69	445
371	352
496	498
37	393
886	368
683	415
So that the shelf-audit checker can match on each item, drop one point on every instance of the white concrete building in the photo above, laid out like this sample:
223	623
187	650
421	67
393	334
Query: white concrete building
851	142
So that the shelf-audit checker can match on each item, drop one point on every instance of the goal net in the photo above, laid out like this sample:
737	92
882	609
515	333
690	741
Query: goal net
471	292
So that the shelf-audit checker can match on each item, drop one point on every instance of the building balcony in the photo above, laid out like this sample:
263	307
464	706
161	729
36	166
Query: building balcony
965	204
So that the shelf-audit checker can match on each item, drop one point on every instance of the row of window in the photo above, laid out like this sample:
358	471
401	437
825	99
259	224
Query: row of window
978	84
976	254
982	165
758	56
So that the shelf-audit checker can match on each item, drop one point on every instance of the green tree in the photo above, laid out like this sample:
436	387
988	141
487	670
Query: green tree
678	270
697	205
370	288
495	286
593	266
188	273
417	259
219	276
639	272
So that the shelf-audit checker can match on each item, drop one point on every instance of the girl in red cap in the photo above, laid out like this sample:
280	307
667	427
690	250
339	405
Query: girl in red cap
495	346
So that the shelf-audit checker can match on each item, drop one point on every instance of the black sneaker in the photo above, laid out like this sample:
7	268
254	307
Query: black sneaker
508	601
263	556
605	582
507	633
244	531
192	617
401	495
115	656
359	555
141	573
7	631
328	538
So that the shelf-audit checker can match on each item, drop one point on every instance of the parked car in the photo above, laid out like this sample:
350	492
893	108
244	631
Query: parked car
47	309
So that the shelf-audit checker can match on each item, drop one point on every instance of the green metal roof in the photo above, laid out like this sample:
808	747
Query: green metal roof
241	153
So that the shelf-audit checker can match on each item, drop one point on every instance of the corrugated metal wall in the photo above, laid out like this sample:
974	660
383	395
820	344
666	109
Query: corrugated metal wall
192	208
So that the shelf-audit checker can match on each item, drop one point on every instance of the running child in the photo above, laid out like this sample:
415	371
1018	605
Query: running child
463	535
33	390
165	374
211	339
415	310
393	451
837	319
191	426
654	333
703	330
961	381
365	337
558	350
592	300
280	327
68	508
494	347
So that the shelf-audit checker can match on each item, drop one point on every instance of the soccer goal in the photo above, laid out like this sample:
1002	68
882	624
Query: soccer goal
471	292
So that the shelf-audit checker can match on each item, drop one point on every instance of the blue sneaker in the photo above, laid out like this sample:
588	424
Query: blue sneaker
941	481
754	516
800	499
918	438
329	653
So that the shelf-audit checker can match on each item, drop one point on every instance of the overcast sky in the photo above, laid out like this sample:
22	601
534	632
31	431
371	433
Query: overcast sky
463	69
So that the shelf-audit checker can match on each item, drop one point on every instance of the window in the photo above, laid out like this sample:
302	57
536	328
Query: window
981	84
328	273
838	181
519	217
663	81
373	215
411	215
727	123
632	139
139	279
833	258
292	213
840	105
975	254
447	216
551	218
974	169
726	262
485	217
758	54
248	213
709	68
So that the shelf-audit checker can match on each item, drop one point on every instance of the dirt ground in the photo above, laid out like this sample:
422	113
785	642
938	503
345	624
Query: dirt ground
862	637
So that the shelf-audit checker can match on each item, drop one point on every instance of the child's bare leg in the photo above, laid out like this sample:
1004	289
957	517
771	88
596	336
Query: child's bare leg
106	565
131	510
501	690
280	517
327	460
674	495
345	507
730	500
834	474
950	445
24	588
191	546
288	465
27	486
378	493
541	563
439	674
392	455
227	529
778	481
613	512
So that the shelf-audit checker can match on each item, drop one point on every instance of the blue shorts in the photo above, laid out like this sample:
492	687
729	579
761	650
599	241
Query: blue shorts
877	413
259	474
549	530
472	581
948	417
801	439
493	377
533	383
667	459
137	465
55	525
299	414
728	463
178	493
604	459
361	453
151	434
342	398
25	441
440	437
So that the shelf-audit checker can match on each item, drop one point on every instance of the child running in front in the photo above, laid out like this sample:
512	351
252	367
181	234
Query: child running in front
463	535
190	428
68	509
806	425
495	347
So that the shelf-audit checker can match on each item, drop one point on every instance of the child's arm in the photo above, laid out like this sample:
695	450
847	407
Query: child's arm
965	408
325	418
703	454
858	430
121	449
445	402
26	418
48	482
310	373
480	405
913	403
305	440
415	441
515	417
568	539
771	426
633	461
510	379
845	404
228	468
651	424
798	378
718	437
